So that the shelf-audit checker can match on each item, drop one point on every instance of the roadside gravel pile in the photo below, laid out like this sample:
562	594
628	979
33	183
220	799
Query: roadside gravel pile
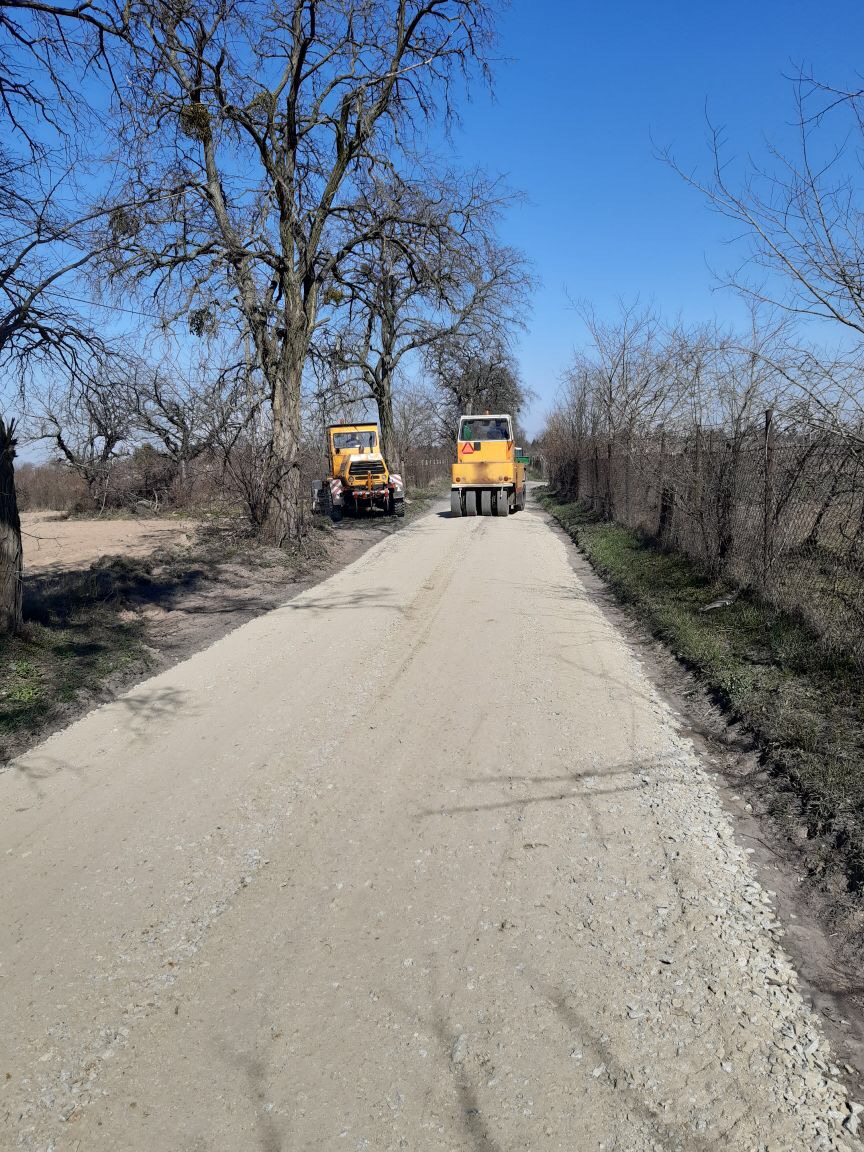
734	996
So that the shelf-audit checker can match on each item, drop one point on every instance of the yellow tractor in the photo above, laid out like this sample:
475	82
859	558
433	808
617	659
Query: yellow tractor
359	478
489	473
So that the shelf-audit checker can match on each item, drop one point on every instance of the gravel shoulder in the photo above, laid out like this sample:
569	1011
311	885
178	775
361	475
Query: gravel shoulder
420	859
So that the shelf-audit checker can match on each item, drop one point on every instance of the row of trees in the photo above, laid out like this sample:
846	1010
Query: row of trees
745	449
800	226
143	435
220	221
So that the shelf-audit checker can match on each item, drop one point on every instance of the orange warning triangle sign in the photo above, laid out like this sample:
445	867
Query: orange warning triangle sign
467	448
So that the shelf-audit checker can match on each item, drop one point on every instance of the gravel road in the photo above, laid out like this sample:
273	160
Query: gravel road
419	860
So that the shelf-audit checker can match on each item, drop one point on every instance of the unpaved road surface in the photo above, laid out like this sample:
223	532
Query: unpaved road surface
52	544
418	860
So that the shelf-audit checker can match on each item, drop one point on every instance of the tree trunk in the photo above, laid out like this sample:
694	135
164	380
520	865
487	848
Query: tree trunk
667	515
575	482
380	381
11	558
284	522
384	400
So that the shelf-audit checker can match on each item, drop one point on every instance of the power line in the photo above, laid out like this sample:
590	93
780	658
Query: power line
114	308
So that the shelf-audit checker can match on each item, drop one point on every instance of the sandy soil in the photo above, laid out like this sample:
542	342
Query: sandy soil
419	860
56	545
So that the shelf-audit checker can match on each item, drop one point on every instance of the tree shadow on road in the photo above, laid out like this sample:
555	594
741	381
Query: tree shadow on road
526	801
470	1113
385	598
589	771
89	632
671	1137
149	707
143	709
584	785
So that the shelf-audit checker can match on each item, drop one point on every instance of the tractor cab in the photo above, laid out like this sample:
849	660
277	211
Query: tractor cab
355	455
345	440
359	478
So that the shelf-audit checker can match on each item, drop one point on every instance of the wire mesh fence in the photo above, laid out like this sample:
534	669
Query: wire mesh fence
763	507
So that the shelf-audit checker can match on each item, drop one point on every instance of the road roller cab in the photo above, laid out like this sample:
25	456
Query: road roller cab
487	478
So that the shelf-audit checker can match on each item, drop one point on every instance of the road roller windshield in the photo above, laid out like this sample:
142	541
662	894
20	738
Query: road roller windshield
485	428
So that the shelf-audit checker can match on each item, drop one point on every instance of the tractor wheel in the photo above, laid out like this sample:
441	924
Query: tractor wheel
471	503
455	502
336	513
399	508
502	503
485	502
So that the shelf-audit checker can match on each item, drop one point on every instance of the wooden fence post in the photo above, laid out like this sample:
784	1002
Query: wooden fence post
768	503
667	496
697	508
609	503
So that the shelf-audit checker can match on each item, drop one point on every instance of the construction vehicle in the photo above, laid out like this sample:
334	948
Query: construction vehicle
359	478
488	476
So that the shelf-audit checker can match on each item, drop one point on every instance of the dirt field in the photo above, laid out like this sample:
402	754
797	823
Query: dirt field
52	544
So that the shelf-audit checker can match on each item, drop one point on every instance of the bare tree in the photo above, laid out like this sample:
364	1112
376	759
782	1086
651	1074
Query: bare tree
245	451
476	375
671	420
186	412
800	217
634	385
44	49
265	122
415	423
46	223
434	273
803	224
569	435
87	423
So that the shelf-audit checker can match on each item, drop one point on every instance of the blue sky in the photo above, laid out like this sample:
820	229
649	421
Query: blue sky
586	93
